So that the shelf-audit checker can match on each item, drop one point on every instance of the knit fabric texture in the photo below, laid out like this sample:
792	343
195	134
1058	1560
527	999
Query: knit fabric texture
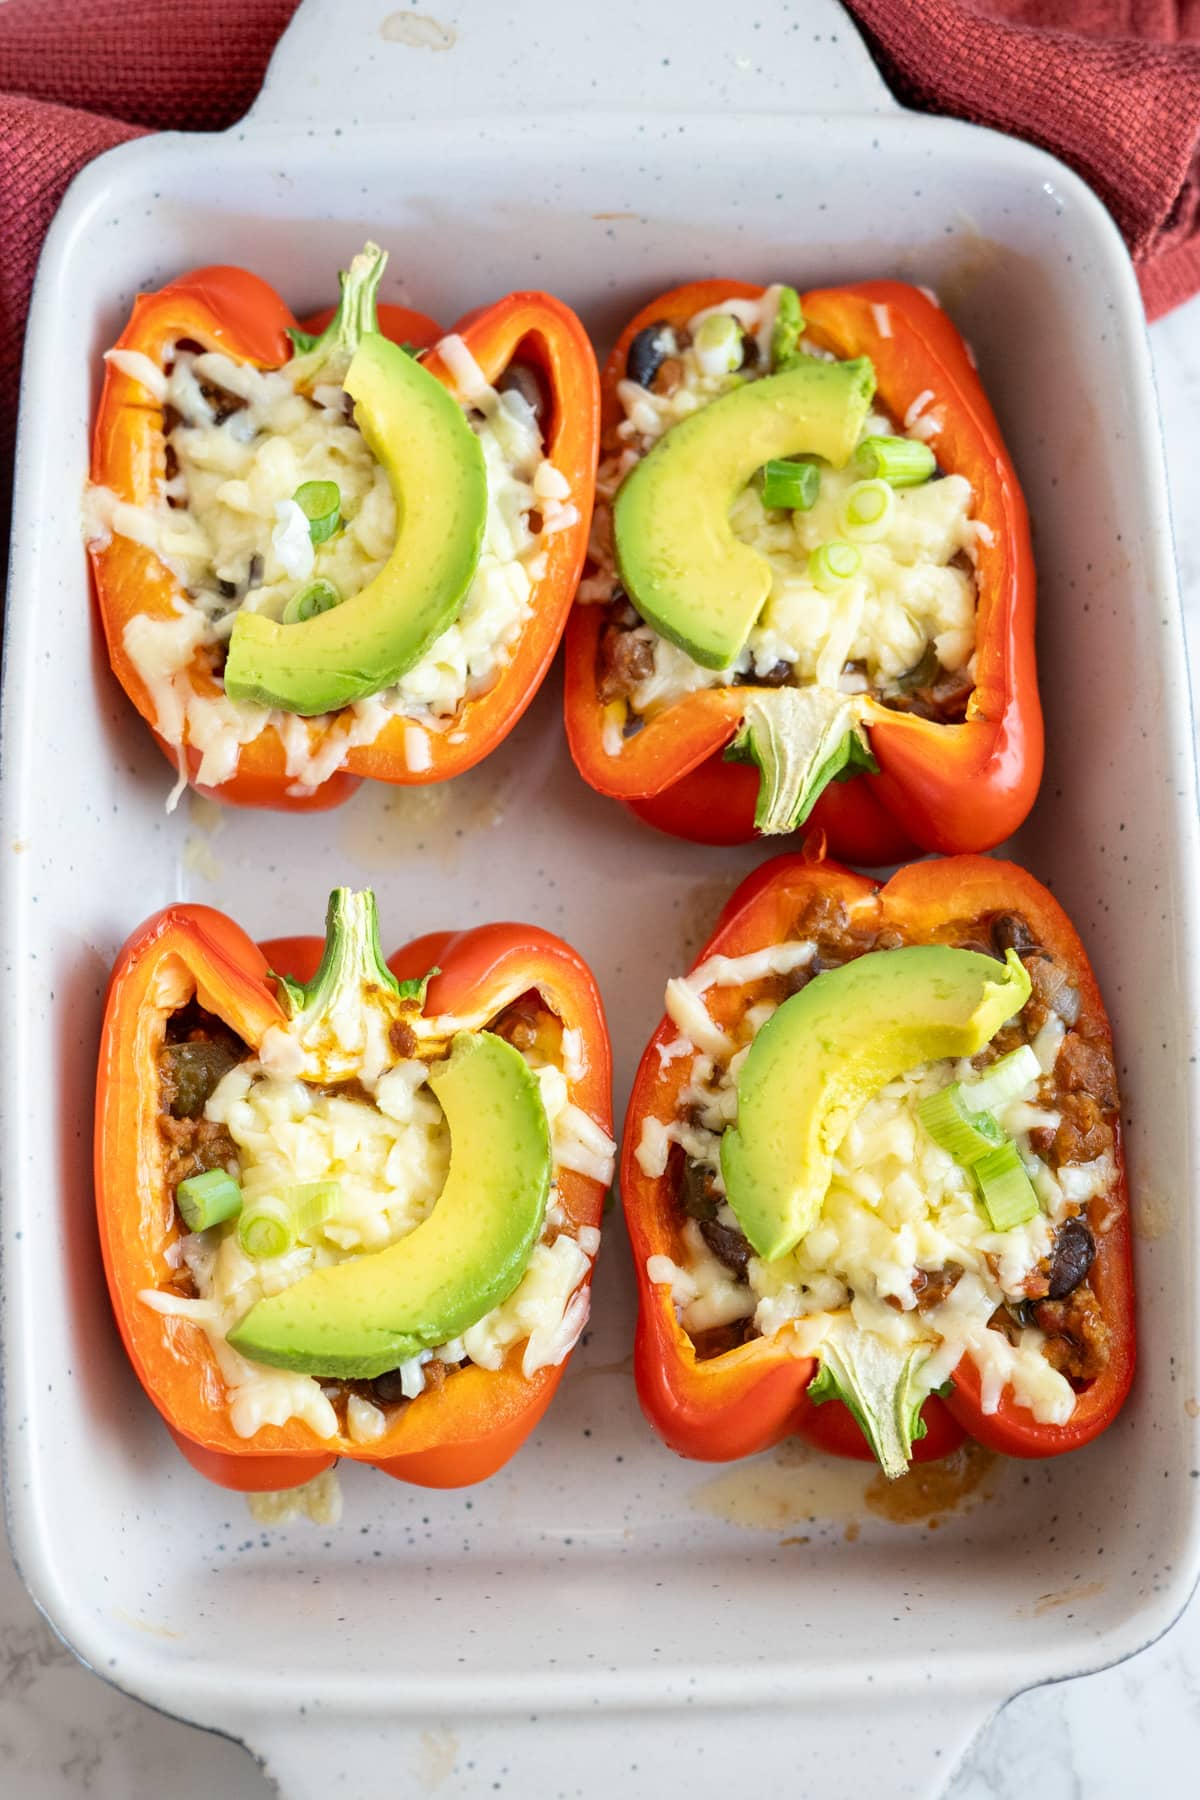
1111	86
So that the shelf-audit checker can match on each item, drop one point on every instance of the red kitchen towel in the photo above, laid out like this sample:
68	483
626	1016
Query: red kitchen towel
77	77
1111	86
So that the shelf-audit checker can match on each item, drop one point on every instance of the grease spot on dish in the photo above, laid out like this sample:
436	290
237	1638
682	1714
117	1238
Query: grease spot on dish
1151	1215
418	31
796	1485
380	825
1045	1603
158	1631
437	1753
790	1485
930	1490
319	1500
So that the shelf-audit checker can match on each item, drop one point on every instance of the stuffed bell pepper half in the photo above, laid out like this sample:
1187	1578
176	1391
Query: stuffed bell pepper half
351	1209
811	593
873	1174
342	551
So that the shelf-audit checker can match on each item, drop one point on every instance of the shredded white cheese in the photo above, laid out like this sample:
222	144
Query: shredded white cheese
897	1205
389	1157
227	526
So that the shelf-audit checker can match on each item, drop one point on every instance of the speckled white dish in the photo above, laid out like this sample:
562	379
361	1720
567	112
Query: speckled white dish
624	1618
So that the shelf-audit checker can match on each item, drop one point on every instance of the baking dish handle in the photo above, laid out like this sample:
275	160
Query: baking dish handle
362	62
840	1749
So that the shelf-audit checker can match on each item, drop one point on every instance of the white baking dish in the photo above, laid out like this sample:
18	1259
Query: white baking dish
601	1617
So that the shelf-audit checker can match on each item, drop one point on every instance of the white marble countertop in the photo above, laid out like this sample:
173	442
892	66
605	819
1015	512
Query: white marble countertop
63	1733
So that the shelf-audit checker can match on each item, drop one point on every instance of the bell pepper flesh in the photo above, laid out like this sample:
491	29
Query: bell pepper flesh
949	788
751	1397
460	1434
233	311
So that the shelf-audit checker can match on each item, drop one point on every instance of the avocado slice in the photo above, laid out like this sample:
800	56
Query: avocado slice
829	1049
361	1317
680	563
434	463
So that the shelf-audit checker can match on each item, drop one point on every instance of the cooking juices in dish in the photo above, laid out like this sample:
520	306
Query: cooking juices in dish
342	552
873	1177
811	594
351	1210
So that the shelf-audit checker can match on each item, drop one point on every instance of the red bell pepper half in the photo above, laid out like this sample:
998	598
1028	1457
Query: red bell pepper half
193	965
715	1402
948	787
232	311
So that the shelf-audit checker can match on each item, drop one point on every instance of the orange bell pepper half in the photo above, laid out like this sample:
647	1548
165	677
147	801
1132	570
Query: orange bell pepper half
944	787
235	312
460	1433
751	1396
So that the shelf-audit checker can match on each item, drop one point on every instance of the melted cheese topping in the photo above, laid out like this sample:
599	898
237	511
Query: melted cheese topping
897	1204
390	1159
226	526
911	592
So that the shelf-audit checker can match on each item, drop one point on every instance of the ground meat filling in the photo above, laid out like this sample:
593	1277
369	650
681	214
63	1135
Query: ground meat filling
1081	1087
197	1051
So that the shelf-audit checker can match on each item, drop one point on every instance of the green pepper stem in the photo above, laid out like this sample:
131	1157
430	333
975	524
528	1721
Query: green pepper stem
881	1386
328	356
801	739
342	1019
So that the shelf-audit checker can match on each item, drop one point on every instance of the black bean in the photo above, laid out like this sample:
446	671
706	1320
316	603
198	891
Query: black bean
522	378
697	1192
778	675
1074	1249
222	403
1011	932
726	1244
388	1387
648	351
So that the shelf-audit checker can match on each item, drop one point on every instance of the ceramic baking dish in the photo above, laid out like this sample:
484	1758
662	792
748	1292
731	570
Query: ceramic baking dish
601	1617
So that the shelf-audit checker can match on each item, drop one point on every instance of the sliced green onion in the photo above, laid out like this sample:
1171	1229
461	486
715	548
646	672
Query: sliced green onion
265	1228
717	342
1004	1187
788	327
1004	1081
962	1134
208	1199
321	504
832	564
311	1203
867	509
905	462
318	597
792	485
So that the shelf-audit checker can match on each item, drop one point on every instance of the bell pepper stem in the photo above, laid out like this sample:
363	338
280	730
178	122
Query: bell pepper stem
801	739
327	356
342	1019
881	1386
